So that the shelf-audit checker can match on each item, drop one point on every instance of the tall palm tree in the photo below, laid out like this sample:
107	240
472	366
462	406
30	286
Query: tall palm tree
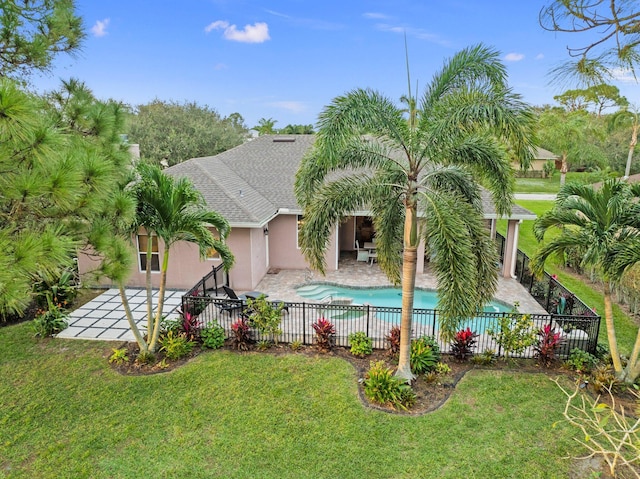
173	210
604	224
368	154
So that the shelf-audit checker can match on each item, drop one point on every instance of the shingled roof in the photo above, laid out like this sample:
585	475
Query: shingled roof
250	183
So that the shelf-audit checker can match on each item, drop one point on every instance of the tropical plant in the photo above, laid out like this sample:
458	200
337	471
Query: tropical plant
382	387
241	334
50	321
393	338
361	344
605	224
265	316
369	154
119	356
176	346
549	340
514	332
189	324
581	361
213	336
173	210
463	343
425	354
325	333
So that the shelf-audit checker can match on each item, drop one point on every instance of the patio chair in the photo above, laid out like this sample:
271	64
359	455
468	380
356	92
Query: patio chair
231	294
363	254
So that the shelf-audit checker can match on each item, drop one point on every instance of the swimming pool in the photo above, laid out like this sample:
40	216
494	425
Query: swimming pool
382	297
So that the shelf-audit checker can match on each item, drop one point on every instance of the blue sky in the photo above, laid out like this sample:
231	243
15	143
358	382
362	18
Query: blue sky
286	59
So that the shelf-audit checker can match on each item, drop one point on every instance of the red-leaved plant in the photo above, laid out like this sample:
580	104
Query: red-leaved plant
325	332
548	343
462	344
393	338
241	335
190	325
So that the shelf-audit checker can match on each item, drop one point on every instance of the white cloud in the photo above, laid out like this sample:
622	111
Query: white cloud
413	32
539	56
623	75
257	33
514	57
293	106
100	27
375	16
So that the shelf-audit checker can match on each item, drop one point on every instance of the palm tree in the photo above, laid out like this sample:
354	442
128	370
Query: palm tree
604	224
368	154
174	210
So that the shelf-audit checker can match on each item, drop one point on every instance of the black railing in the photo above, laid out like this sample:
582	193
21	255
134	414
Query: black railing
211	283
296	325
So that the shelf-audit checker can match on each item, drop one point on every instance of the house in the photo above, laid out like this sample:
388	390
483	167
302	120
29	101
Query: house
540	158
252	186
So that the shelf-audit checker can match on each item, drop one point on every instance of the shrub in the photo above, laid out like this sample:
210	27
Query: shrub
549	168
382	387
50	322
145	357
167	325
265	316
61	290
325	333
393	338
485	358
213	336
603	379
441	369
581	361
514	333
462	344
176	346
296	345
263	345
425	354
361	344
548	343
241	338
119	356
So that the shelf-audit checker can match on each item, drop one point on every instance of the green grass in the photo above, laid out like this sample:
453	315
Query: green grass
65	414
552	185
626	329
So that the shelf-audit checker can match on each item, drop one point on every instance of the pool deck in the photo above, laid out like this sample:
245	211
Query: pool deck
282	284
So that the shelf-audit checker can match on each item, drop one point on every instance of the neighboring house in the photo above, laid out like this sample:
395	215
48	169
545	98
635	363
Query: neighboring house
540	157
252	186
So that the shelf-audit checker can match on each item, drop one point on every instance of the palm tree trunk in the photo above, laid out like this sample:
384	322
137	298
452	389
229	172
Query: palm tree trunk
563	169
132	324
409	262
149	287
611	331
163	282
632	145
632	370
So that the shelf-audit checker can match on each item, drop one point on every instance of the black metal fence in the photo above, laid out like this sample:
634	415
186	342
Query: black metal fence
211	283
297	319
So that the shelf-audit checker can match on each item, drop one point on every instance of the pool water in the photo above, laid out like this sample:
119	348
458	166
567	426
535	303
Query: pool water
381	297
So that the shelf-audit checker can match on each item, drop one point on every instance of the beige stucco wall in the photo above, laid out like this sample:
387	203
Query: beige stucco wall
347	234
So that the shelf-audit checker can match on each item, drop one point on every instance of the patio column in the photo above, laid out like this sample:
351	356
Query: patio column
511	249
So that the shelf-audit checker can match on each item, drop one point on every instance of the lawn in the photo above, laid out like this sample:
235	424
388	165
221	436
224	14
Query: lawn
626	329
552	185
64	413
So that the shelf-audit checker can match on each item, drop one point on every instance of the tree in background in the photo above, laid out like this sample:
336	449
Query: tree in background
627	118
32	32
429	161
569	134
597	98
62	165
604	225
616	46
175	132
297	130
265	126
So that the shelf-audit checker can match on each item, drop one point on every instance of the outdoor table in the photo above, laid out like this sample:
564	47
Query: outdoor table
369	245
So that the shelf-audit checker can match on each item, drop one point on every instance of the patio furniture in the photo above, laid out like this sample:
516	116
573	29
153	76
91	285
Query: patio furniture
373	257
252	295
369	246
363	254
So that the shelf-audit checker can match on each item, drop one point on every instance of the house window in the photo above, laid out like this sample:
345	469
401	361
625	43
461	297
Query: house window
300	223
212	254
142	253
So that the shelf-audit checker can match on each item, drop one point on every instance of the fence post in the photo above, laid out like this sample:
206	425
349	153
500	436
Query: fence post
433	325
304	320
367	320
